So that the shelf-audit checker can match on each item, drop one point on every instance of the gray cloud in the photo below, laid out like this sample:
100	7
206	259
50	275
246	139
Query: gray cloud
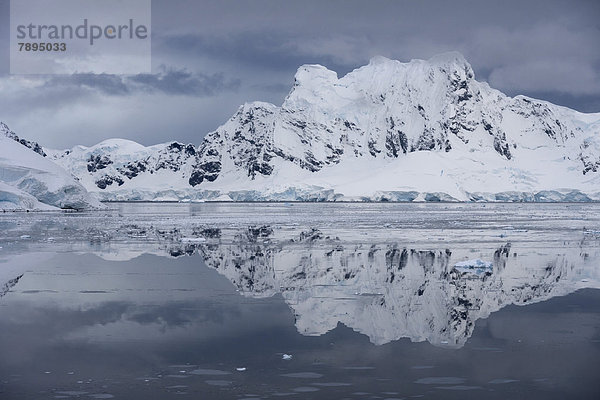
278	88
168	81
563	77
104	83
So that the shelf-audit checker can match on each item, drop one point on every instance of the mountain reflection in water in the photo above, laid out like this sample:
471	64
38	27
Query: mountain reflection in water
388	291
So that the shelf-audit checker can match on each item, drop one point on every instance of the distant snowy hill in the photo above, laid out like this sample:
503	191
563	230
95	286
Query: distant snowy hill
388	131
119	169
30	181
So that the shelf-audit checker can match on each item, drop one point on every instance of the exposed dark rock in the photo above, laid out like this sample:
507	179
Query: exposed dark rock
395	142
133	169
97	162
27	143
108	180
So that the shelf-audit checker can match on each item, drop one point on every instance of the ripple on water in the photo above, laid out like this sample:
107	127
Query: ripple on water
441	380
213	372
305	389
303	375
217	382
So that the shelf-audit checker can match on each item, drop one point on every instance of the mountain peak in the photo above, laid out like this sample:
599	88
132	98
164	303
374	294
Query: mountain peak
448	60
449	57
378	60
314	74
453	61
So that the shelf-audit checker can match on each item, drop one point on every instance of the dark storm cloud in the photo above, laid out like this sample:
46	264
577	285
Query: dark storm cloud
520	47
258	49
168	81
183	82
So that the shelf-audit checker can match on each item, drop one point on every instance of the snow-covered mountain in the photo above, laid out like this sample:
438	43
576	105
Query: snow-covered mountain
118	169
422	130
31	181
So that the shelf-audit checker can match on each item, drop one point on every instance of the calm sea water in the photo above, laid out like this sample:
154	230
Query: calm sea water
307	301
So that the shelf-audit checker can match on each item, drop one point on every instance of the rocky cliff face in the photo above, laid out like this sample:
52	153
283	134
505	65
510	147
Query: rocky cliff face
423	130
5	130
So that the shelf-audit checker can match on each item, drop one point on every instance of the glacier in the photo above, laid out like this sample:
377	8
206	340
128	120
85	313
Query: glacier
424	130
31	181
12	198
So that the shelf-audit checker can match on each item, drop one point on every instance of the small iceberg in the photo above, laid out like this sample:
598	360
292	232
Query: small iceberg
476	266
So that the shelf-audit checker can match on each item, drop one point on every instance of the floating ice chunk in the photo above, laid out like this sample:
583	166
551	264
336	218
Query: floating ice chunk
25	236
286	357
475	266
193	240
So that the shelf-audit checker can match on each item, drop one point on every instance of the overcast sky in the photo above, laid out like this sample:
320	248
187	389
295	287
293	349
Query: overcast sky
208	57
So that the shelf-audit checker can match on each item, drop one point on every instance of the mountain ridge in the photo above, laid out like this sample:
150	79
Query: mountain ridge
422	130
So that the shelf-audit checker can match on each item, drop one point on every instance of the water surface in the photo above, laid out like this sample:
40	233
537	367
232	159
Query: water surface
159	301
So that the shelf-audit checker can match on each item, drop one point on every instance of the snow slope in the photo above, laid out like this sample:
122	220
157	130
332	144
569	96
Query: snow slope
422	130
29	180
